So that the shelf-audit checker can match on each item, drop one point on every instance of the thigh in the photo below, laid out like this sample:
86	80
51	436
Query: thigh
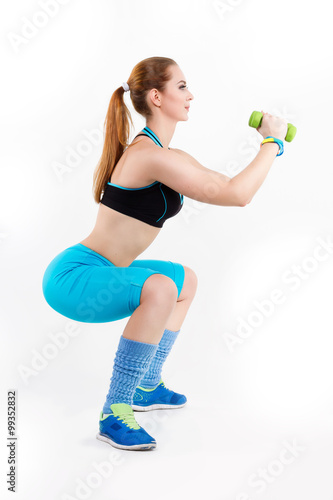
84	286
173	270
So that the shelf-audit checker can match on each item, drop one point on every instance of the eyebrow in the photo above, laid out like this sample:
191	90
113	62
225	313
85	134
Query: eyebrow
181	81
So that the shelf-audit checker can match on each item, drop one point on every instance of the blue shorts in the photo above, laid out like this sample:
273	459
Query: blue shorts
82	285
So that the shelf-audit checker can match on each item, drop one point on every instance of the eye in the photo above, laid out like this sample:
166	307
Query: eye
184	87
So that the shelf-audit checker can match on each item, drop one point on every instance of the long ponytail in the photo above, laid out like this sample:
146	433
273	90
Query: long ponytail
147	74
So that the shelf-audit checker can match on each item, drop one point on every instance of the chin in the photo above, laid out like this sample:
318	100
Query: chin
182	118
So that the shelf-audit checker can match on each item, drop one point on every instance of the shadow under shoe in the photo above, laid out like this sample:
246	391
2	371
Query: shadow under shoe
121	430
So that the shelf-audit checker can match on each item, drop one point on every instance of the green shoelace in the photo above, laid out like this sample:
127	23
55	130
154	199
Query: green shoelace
126	415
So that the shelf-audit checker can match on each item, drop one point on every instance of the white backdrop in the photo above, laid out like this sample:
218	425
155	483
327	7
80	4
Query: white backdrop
254	353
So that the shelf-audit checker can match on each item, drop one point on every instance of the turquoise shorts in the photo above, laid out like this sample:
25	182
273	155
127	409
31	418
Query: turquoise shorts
82	285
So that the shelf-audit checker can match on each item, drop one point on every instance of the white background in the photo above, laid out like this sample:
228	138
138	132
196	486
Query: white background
246	403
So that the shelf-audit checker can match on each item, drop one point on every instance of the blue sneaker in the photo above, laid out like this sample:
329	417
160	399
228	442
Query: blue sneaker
159	398
121	430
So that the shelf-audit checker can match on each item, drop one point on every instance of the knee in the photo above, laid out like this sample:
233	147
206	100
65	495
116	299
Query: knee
159	289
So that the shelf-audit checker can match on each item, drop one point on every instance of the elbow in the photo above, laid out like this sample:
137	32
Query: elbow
243	204
239	198
243	201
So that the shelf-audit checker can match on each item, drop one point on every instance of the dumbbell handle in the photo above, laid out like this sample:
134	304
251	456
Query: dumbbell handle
255	121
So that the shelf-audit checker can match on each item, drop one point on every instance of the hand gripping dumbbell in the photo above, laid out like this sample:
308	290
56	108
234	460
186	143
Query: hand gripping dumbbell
255	121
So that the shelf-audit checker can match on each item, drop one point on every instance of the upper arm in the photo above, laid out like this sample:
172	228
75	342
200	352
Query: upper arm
195	162
185	175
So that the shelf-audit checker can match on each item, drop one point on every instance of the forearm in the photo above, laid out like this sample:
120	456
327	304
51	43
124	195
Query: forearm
247	182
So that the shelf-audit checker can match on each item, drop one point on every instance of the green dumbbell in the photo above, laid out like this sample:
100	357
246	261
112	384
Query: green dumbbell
255	121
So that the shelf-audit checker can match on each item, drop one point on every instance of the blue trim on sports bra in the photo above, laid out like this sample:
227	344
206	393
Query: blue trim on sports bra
146	215
165	203
133	189
153	136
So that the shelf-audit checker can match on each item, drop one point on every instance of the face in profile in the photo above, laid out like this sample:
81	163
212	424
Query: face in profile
175	99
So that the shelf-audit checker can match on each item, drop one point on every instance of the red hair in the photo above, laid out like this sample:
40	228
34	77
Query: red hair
148	74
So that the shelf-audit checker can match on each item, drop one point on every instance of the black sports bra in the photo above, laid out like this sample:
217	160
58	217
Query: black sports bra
153	204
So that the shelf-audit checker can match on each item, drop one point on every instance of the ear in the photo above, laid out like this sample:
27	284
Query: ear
155	97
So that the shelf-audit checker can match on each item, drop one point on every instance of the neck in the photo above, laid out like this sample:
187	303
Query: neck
164	129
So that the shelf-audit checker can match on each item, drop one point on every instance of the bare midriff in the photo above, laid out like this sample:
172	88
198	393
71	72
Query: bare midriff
116	236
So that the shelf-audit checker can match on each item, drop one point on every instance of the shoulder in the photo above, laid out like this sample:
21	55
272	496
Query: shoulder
181	152
184	174
187	157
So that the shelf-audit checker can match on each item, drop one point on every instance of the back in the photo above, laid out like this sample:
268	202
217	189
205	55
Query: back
121	237
153	203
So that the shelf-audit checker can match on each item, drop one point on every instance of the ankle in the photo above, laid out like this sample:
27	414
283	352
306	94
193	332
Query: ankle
150	386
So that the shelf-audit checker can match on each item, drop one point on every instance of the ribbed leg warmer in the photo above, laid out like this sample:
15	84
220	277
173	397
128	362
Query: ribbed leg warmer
152	376
130	364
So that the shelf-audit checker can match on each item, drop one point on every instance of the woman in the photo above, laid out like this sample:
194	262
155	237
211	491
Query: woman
138	187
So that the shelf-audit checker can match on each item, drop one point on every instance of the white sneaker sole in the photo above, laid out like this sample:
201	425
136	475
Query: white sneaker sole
147	446
156	407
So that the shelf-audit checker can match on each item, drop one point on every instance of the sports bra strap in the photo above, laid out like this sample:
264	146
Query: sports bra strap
146	135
